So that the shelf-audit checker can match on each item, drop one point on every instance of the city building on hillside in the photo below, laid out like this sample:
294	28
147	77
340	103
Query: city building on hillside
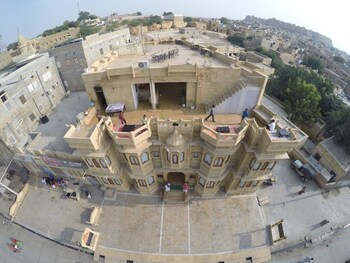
28	47
74	57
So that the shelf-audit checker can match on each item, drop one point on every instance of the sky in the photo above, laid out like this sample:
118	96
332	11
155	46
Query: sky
32	17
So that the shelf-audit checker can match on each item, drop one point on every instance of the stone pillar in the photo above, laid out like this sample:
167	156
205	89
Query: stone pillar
153	95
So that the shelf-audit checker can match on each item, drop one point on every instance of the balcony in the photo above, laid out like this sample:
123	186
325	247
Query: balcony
222	135
86	137
274	142
128	135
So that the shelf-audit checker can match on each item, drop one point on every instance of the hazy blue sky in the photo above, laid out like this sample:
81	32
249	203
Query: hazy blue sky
32	17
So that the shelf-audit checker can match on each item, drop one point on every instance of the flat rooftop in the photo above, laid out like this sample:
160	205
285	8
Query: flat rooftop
337	151
52	132
185	55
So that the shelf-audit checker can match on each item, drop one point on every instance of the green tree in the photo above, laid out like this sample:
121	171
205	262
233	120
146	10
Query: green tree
188	19
338	124
112	26
12	46
167	13
88	30
278	84
139	13
314	63
329	104
236	40
339	59
84	15
302	102
224	20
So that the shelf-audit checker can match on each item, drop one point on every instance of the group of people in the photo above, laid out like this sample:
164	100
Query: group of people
245	114
185	187
54	182
121	116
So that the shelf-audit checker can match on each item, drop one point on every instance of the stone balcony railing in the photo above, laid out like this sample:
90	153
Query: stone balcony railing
272	142
132	136
86	137
229	138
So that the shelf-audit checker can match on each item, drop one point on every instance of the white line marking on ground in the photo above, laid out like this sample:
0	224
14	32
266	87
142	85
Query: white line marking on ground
188	228
161	229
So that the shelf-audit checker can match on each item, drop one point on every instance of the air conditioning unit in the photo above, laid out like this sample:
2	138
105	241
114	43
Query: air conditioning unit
143	63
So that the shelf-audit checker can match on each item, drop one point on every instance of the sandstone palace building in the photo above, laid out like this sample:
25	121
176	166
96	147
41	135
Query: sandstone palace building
207	155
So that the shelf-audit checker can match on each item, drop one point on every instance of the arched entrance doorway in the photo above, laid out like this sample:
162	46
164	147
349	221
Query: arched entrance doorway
176	178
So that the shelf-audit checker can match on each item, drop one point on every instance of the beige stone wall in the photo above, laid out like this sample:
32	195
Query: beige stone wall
166	24
258	58
45	43
208	81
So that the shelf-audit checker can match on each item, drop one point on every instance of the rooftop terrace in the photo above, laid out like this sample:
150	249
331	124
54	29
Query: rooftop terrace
185	55
52	132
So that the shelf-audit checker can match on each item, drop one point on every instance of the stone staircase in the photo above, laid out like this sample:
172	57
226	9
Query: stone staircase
224	96
175	197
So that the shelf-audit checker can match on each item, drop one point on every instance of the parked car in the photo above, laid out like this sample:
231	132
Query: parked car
305	171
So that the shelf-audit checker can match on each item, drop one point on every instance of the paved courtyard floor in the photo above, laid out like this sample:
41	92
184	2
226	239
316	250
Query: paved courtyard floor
134	223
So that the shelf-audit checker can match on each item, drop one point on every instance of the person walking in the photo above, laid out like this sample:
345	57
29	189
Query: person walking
98	115
121	118
245	114
167	187
185	188
211	113
144	120
302	191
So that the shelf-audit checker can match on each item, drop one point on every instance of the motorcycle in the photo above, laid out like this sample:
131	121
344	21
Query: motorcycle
15	246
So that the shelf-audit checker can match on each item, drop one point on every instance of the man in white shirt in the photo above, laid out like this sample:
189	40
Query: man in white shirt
272	125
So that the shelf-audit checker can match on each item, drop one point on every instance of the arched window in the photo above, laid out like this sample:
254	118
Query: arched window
133	160
108	161
252	162
103	163
175	158
96	163
150	180
182	157
218	162
142	182
264	165
117	181
207	158
271	165
168	156
201	181
88	161
144	157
